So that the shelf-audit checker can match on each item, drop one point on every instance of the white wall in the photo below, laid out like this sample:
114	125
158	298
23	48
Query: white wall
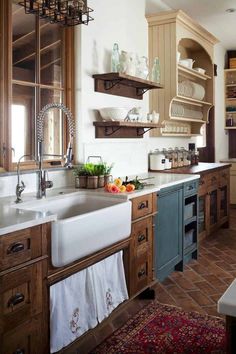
122	22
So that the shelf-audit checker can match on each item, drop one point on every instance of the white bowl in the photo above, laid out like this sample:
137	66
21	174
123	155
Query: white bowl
200	70
113	113
188	63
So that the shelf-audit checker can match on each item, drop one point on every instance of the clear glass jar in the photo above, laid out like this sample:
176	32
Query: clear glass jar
115	58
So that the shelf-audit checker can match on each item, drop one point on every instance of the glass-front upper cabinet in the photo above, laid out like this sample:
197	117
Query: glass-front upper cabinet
38	73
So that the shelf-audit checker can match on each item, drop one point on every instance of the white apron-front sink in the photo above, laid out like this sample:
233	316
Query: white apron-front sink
85	223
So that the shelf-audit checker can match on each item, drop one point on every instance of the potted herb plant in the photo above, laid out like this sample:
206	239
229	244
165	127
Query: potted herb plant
80	176
107	173
92	177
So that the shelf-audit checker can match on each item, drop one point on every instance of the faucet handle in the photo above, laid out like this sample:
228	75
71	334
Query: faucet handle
48	183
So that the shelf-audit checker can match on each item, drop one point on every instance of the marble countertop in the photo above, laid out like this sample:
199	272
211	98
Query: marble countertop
227	303
13	217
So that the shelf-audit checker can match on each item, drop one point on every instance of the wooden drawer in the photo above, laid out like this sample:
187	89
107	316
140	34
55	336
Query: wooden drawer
190	188
20	246
25	339
212	181
21	295
142	206
202	186
143	272
142	235
224	177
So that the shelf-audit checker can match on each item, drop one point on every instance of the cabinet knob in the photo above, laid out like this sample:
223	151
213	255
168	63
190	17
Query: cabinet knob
15	299
141	273
190	188
19	351
142	205
15	247
141	238
201	182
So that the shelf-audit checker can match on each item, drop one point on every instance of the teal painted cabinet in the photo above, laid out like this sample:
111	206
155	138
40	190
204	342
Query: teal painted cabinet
176	228
169	231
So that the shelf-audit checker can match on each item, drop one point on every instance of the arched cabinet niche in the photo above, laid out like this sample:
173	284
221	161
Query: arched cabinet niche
187	97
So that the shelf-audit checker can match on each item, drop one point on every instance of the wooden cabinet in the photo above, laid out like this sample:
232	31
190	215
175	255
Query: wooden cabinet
214	195
36	69
141	245
230	99
183	110
22	291
233	183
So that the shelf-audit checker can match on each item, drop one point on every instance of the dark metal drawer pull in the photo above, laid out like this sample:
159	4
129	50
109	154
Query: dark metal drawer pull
190	188
19	351
142	205
141	238
16	247
16	299
141	273
201	183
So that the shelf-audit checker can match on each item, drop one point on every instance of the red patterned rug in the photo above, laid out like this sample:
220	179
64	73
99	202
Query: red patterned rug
164	329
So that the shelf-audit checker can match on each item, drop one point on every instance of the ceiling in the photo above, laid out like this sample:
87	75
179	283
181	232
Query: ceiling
209	13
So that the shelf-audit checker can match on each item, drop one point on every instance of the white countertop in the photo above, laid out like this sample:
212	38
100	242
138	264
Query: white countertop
13	217
227	302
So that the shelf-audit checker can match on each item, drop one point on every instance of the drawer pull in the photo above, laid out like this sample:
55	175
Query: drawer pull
141	273
201	183
19	351
141	238
16	299
189	188
142	205
213	179
16	247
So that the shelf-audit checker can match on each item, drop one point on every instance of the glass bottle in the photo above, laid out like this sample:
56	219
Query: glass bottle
142	68
156	70
115	58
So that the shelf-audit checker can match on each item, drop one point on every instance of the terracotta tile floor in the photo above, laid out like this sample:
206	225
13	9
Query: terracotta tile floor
197	288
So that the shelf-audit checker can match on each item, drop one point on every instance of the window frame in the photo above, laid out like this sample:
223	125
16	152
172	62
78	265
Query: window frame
6	84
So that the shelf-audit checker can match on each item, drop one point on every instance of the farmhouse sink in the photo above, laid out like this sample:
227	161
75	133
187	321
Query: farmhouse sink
84	223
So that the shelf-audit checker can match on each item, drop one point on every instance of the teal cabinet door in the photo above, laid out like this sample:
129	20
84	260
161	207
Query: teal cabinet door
169	232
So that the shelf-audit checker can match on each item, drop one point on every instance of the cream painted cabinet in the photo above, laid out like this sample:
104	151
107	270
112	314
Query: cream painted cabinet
187	97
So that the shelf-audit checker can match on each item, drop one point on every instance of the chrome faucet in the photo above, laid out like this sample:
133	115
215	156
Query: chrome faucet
43	182
20	187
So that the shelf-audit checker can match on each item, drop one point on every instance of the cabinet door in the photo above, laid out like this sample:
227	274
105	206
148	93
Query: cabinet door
25	339
202	216
169	231
212	212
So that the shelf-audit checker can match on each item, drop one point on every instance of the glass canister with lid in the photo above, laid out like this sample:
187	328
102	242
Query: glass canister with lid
156	160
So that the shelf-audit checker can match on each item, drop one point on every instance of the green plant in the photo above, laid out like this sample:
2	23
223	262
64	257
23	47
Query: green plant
90	169
79	171
107	168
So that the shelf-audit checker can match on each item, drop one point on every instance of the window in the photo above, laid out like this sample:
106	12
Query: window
42	58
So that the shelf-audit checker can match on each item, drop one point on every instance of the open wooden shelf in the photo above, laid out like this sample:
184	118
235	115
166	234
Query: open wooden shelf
123	85
123	129
191	101
193	72
188	119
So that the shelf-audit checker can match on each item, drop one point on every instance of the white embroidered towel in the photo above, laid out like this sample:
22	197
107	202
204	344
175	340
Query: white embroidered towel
72	309
109	284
